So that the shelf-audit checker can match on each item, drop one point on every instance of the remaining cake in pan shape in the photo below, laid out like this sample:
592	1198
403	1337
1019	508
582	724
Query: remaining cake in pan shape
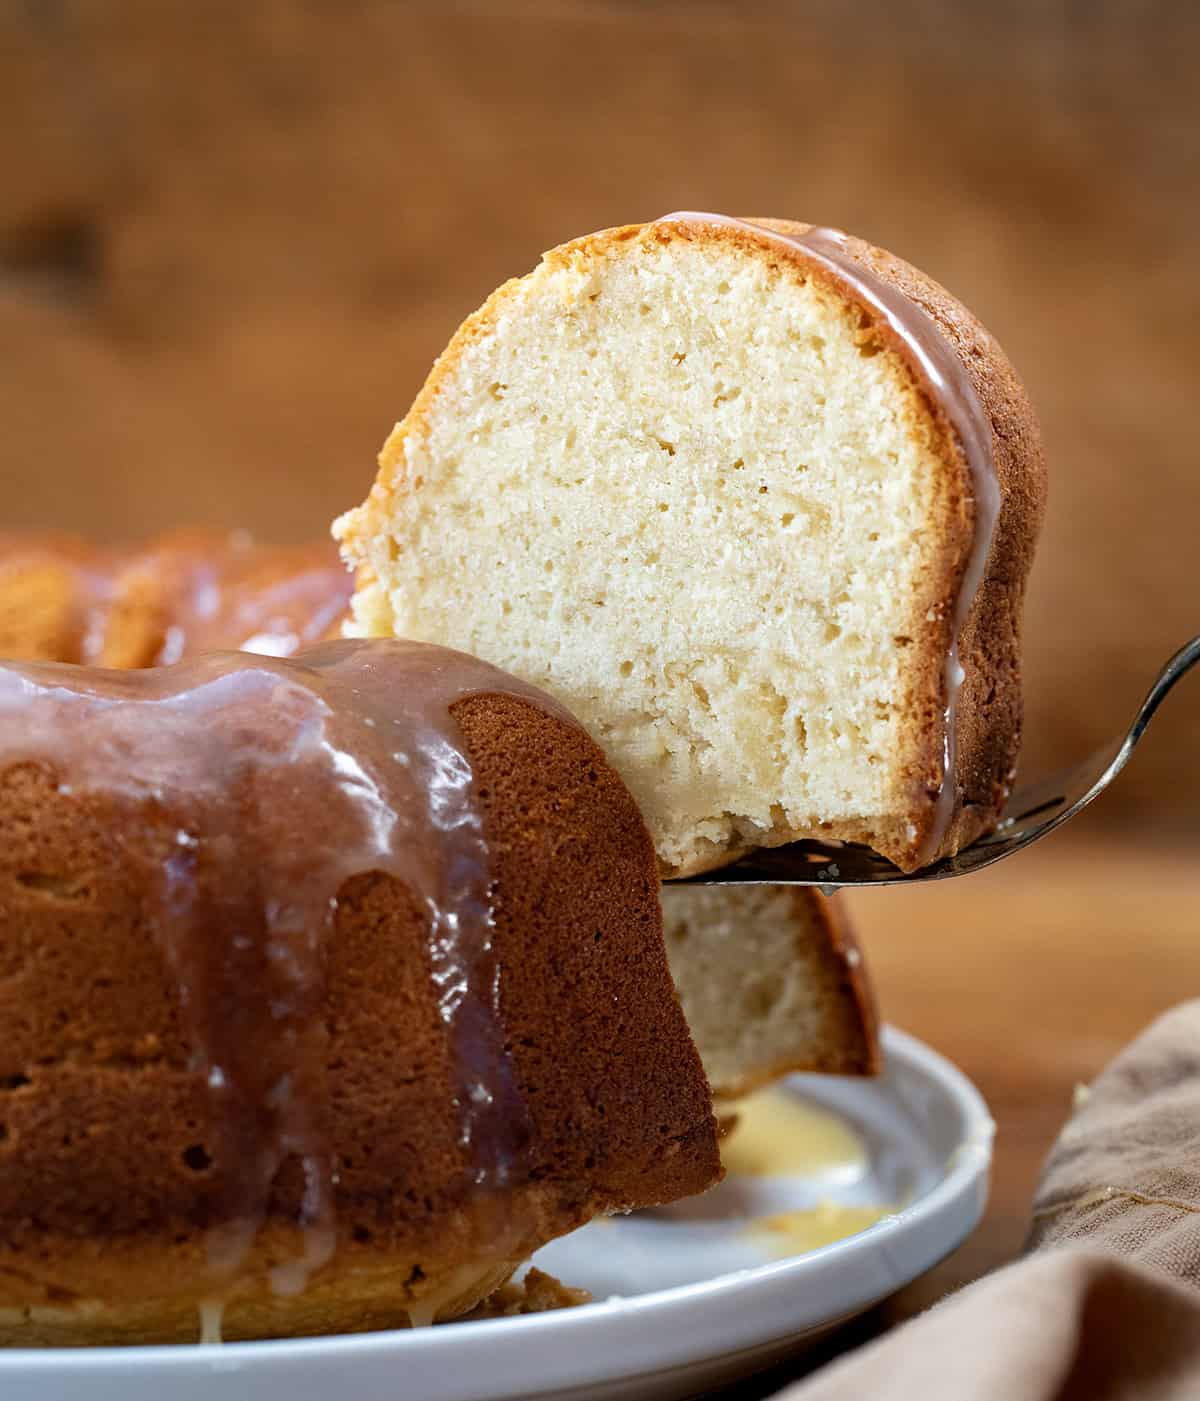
329	990
189	591
757	501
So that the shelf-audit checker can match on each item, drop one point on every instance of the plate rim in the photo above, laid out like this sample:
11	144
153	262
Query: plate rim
960	1193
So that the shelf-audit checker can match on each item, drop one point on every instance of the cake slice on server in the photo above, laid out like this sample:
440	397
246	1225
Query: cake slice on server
757	502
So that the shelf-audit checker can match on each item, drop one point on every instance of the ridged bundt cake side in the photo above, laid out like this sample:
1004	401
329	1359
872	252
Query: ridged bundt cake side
248	1048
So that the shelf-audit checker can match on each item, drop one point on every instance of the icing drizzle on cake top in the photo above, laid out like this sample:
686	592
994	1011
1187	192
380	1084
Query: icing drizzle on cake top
258	788
940	366
187	593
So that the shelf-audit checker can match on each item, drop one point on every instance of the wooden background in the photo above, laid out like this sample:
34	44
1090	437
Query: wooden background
233	236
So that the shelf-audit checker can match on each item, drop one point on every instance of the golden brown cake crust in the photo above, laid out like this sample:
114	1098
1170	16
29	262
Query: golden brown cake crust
989	712
989	715
107	1185
47	583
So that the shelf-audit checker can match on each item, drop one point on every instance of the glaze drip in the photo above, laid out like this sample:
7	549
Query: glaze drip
939	366
265	786
776	1134
212	1317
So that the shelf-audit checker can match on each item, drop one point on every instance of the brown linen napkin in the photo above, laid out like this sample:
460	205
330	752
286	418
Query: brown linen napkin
1107	1307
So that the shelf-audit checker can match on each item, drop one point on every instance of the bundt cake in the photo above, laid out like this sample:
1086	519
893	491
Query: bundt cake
331	988
772	980
799	1001
64	600
757	501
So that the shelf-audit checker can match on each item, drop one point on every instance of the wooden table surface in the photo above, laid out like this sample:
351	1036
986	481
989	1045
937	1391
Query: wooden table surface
1031	976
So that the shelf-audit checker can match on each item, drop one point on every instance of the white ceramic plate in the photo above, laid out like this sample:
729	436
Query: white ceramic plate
688	1298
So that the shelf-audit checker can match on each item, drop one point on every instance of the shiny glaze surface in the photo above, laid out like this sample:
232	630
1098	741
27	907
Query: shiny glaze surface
185	594
257	788
790	1233
232	598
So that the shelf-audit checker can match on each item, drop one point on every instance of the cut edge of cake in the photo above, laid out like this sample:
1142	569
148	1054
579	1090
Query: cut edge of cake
772	981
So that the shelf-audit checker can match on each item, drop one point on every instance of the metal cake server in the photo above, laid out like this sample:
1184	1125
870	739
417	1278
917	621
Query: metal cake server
1033	810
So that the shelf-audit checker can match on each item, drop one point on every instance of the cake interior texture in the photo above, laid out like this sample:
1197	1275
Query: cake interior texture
772	981
677	484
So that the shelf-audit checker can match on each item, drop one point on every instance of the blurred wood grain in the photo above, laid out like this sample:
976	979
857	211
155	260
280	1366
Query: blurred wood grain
233	237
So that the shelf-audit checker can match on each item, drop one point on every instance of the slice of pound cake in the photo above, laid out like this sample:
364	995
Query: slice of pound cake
757	501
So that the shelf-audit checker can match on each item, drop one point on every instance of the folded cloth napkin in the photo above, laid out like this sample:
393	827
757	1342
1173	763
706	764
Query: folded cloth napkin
1106	1305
